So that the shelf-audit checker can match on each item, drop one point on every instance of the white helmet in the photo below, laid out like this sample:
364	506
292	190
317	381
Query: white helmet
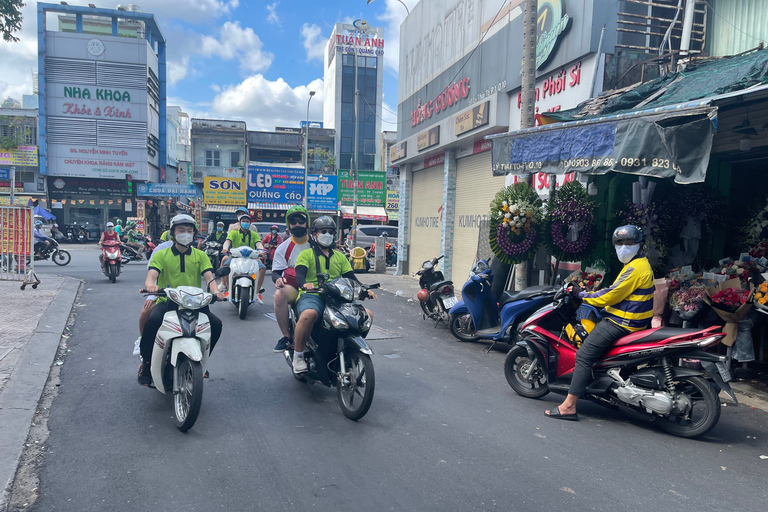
180	220
110	225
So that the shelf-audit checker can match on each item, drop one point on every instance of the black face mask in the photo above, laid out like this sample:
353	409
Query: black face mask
299	231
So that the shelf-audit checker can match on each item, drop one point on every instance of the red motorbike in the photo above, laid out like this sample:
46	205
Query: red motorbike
111	259
639	372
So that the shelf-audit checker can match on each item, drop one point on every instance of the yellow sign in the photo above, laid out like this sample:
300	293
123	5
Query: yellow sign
393	200
473	118
17	200
22	156
224	191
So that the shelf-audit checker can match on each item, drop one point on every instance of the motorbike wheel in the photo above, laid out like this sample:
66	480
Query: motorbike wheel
242	305
515	367
704	409
425	309
462	327
125	260
61	258
112	273
356	396
189	399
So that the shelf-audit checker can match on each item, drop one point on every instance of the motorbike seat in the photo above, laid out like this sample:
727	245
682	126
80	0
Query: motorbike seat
651	335
440	285
528	293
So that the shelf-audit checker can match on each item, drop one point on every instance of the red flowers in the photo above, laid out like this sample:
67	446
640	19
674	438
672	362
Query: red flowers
731	298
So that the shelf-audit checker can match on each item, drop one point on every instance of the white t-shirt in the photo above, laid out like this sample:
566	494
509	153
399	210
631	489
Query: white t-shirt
279	262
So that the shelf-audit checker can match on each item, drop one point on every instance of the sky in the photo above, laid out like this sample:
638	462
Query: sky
254	60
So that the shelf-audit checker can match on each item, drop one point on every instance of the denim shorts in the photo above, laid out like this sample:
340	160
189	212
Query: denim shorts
310	301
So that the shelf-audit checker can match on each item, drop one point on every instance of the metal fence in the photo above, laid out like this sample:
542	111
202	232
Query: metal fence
17	261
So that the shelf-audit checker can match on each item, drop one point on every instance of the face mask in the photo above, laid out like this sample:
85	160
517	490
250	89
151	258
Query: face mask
184	238
299	231
219	229
110	230
245	225
325	240
625	253
274	232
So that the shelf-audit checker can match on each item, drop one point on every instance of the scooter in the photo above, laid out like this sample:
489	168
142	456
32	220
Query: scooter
213	250
58	256
638	372
337	353
82	233
111	259
71	232
480	316
129	254
181	349
245	269
436	296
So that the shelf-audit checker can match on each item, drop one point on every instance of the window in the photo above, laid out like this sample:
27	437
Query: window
348	93
369	147
347	112
348	60
371	62
212	158
346	145
8	131
234	159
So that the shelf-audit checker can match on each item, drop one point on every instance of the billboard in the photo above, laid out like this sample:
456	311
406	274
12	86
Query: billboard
224	191
22	156
371	188
167	190
275	184
322	192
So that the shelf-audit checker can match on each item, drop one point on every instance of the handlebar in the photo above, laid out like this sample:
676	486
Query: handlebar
161	293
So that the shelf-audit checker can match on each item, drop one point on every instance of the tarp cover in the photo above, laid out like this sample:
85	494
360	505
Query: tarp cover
667	143
45	214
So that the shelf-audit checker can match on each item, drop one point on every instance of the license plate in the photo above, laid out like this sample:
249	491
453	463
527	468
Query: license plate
724	373
450	302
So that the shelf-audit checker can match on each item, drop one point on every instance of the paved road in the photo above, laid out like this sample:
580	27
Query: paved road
445	432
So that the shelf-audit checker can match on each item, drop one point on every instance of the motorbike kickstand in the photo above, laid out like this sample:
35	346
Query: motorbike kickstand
487	350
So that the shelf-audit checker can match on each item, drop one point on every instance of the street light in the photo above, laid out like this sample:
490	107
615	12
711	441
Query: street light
401	1
306	151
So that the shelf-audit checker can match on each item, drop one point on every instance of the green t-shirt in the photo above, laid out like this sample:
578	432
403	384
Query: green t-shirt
335	266
180	269
250	239
132	235
165	236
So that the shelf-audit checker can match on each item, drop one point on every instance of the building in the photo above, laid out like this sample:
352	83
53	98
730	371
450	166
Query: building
102	104
321	147
18	153
283	146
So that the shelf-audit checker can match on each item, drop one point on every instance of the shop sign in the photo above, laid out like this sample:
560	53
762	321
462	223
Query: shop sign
480	146
356	41
86	93
62	188
541	181
22	156
97	161
431	162
476	117
552	22
450	96
5	187
322	192
224	191
276	185
371	188
428	138
167	190
397	151
141	208
393	200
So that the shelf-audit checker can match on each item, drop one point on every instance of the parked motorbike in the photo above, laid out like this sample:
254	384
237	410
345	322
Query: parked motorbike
181	349
245	268
111	259
71	230
638	372
58	256
82	233
213	250
480	316
337	353
436	295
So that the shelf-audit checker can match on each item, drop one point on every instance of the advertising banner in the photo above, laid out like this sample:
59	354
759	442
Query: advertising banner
275	184
393	204
62	188
371	188
22	155
224	191
16	227
322	192
167	190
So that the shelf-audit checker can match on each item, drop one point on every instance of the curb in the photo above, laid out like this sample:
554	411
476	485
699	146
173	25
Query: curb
19	398
747	396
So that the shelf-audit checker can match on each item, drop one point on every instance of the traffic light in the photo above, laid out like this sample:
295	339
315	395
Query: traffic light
129	184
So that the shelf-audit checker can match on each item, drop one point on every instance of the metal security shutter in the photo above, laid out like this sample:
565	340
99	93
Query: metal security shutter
475	189
121	76
68	71
124	134
426	200
77	132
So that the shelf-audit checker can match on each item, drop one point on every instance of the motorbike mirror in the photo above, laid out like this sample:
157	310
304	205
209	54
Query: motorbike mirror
223	271
323	277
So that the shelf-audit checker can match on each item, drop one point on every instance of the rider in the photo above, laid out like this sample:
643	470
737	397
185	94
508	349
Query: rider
42	242
297	220
133	238
243	237
109	235
119	227
217	236
271	241
310	305
178	265
166	235
628	307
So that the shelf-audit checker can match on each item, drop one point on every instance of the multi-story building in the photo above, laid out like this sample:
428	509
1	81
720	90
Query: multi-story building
18	152
218	149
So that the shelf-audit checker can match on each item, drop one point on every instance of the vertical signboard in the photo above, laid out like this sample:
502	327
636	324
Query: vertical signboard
322	192
371	188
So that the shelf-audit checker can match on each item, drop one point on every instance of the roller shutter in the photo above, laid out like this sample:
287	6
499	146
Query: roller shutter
426	200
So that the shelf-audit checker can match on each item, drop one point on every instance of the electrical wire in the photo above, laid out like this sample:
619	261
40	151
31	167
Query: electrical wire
728	22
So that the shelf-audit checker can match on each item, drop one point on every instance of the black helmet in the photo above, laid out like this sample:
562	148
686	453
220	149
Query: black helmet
628	233
324	222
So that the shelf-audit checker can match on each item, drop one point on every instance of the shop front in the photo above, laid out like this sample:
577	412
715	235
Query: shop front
221	198
90	201
426	217
371	197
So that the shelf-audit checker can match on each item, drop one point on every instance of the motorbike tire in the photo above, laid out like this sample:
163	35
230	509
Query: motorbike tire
187	403
698	390
61	257
458	332
515	364
112	274
425	309
366	377
242	306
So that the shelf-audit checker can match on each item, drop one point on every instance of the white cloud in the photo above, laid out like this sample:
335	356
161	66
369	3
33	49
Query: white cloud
177	69
393	16
20	59
265	104
273	18
314	42
237	42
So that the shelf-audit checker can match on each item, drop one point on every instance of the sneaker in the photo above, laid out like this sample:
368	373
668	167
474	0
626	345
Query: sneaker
145	377
137	347
259	299
222	288
283	345
299	364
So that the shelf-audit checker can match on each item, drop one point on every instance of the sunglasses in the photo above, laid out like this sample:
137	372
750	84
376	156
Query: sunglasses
299	221
326	231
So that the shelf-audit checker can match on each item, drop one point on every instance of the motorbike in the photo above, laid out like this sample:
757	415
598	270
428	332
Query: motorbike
149	246
70	233
480	316
390	255
58	256
638	372
436	295
111	259
130	254
181	350
82	233
213	250
244	268
337	353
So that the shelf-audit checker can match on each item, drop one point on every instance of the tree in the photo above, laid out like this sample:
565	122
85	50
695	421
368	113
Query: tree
10	19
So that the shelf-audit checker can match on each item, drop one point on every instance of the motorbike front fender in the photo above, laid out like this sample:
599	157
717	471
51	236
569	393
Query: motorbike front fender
190	347
358	343
459	309
245	282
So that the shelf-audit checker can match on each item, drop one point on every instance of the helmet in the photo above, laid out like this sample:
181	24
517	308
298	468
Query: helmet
219	224
294	210
181	220
38	223
130	224
324	222
119	222
242	211
628	233
110	225
423	295
274	226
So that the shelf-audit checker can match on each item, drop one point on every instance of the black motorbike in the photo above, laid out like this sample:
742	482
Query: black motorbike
213	250
436	296
70	232
52	252
337	353
82	233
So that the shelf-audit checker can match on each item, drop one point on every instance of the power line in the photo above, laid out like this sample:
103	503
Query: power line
728	22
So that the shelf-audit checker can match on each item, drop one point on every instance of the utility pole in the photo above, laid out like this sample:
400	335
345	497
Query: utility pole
354	158
306	151
13	182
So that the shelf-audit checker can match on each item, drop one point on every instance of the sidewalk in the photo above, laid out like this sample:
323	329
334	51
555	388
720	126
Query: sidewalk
31	325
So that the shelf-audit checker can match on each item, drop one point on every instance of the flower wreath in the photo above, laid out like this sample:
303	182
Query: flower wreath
570	204
515	221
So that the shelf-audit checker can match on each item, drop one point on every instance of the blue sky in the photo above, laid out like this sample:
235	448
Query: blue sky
238	59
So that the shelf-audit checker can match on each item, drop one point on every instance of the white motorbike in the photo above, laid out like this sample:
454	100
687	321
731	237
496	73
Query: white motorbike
244	265
181	349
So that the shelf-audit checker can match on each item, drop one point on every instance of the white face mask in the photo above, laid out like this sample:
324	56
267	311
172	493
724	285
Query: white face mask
325	240
184	238
625	253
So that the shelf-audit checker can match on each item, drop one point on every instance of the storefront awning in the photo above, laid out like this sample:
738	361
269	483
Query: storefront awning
268	206
216	208
375	213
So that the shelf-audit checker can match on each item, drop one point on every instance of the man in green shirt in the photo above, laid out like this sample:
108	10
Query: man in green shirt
133	238
178	265
310	306
243	237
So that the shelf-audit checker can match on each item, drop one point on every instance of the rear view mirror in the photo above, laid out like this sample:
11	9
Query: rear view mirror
223	271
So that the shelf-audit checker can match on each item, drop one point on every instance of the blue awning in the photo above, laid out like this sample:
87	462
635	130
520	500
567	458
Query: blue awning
45	214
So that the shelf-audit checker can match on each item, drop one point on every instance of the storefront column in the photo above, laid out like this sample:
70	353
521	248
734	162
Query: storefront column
404	219
449	207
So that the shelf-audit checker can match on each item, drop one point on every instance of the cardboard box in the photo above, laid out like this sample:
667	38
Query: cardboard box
731	319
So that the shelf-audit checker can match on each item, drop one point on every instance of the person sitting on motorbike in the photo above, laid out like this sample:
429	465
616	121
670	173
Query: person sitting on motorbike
119	228
134	238
178	265
218	236
243	237
42	242
109	235
310	306
149	302
627	307
273	239
166	235
286	254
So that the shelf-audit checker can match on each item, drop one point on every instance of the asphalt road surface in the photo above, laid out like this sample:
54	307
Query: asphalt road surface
445	431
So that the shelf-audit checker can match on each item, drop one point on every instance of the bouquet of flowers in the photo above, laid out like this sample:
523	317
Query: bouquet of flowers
514	226
740	269
730	299
760	250
731	303
589	280
761	296
688	301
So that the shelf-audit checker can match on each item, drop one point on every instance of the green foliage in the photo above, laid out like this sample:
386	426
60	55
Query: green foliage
570	204
10	19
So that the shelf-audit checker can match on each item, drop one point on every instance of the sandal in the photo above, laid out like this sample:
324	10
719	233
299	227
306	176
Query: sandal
555	413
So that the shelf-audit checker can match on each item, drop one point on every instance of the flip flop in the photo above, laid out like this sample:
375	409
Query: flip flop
555	413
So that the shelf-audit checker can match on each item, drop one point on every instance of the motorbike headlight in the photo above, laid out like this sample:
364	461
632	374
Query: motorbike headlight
112	255
427	265
194	301
335	319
